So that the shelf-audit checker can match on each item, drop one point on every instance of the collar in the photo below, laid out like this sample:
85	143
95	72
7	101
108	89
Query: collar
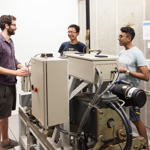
3	38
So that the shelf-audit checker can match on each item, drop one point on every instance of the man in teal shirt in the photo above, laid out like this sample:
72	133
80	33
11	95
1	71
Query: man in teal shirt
132	68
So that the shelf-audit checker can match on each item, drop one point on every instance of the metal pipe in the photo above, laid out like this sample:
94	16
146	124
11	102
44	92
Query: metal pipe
88	25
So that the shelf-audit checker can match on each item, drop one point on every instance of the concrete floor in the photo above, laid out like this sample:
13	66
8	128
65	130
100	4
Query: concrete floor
14	129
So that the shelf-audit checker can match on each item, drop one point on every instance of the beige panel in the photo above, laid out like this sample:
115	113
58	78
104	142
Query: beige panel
84	67
50	103
38	99
57	90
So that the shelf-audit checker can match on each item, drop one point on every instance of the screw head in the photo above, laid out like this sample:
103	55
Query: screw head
101	112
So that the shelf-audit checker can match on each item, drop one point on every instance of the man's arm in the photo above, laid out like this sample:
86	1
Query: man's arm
142	75
19	66
21	72
61	49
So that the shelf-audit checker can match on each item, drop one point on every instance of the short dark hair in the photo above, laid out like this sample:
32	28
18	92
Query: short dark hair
129	31
6	19
75	26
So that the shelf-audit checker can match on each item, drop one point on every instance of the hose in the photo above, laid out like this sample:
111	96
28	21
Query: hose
129	136
126	118
66	132
124	114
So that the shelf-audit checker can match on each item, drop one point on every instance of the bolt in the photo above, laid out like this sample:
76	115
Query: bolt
103	140
101	112
122	134
135	147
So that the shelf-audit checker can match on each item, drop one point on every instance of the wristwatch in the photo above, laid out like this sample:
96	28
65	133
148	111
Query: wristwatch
127	73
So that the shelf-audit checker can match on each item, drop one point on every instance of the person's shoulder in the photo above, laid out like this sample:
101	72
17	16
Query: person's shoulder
1	37
65	43
137	50
82	44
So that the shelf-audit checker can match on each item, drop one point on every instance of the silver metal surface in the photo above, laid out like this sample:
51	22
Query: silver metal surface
34	128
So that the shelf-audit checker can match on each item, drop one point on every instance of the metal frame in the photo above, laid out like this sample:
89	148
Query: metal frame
25	128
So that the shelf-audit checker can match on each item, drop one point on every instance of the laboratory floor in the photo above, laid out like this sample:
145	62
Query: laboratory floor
14	130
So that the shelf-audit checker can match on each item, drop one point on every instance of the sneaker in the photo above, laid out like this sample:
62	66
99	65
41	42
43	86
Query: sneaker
10	144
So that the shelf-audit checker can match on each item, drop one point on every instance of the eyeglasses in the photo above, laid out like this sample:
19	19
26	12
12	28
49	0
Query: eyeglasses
13	25
70	32
121	36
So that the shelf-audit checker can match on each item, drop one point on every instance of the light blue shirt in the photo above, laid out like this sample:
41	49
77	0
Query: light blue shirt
131	59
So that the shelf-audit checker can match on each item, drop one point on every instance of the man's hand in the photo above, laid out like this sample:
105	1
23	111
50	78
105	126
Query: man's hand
22	72
122	70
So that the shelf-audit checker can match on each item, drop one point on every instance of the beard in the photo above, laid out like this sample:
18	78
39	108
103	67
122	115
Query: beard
11	32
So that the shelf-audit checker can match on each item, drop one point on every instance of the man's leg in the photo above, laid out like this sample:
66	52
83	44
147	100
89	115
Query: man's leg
5	137
6	142
0	132
4	131
141	130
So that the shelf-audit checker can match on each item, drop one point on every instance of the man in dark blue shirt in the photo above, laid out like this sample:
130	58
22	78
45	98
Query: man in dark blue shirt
73	44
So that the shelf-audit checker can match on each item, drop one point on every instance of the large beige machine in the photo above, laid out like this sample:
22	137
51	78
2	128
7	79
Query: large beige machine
84	66
49	82
79	109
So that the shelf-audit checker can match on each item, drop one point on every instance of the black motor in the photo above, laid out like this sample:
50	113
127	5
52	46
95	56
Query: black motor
130	94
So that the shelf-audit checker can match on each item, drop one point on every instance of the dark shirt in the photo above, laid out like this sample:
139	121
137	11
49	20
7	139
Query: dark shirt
76	47
7	60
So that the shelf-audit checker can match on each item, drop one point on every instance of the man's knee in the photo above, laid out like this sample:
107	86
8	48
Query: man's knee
136	121
2	120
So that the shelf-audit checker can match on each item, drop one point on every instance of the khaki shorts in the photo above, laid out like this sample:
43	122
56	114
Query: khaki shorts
7	100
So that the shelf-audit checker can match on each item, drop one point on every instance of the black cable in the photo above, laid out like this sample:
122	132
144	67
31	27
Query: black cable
66	132
81	144
126	118
125	115
129	140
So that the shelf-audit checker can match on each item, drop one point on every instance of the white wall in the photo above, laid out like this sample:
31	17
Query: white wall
42	25
106	19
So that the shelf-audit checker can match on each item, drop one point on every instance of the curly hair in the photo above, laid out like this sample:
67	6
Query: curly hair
6	19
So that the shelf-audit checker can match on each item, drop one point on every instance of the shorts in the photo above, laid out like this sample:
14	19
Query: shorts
7	100
133	115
